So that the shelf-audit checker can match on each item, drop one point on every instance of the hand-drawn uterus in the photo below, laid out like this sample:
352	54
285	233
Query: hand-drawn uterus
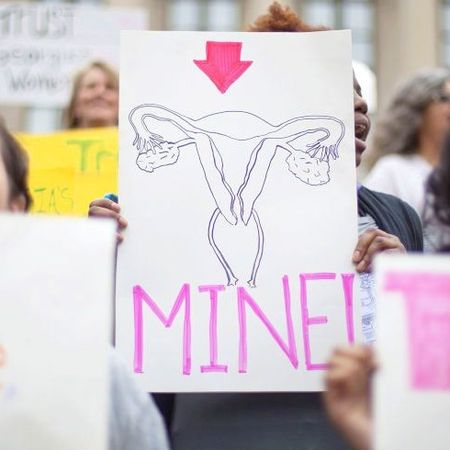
310	141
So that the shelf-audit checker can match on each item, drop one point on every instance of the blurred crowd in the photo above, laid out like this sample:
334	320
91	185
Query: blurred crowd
403	206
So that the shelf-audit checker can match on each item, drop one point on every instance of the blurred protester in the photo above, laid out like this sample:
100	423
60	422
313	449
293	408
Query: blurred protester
436	212
95	98
348	398
95	103
410	133
134	421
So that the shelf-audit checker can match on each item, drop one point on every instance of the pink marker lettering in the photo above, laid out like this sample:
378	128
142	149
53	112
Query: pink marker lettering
139	295
427	297
307	321
290	350
213	295
347	284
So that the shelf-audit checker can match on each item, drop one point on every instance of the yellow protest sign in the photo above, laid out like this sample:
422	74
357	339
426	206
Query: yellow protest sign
70	169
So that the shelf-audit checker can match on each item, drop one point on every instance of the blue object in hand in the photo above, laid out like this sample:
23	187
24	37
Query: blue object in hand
111	196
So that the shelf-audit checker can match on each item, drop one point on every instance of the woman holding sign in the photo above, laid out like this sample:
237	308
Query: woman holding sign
298	420
287	420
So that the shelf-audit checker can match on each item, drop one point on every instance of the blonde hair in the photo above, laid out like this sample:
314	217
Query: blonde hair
70	121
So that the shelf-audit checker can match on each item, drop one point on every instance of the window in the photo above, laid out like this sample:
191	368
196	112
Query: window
204	15
445	27
93	2
357	15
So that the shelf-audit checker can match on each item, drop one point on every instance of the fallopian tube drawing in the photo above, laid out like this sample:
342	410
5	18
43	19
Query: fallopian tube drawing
310	141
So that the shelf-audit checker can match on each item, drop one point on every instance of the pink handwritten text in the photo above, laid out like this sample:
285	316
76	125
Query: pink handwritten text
427	301
245	302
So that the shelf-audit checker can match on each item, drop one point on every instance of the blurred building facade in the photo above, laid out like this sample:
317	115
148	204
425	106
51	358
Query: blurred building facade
391	37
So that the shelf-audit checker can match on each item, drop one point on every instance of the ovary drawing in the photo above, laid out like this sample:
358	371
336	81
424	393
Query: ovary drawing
310	141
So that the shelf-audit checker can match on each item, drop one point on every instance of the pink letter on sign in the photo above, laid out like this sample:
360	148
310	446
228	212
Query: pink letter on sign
140	295
213	294
307	321
290	350
223	65
347	283
427	299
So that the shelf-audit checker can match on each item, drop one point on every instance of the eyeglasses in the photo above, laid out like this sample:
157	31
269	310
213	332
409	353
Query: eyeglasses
442	97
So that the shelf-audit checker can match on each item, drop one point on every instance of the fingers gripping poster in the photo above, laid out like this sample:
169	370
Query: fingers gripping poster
237	177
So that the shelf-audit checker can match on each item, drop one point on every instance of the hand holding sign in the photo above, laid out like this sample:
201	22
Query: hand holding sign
347	396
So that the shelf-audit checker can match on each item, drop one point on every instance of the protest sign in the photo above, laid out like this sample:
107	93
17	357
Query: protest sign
412	390
55	310
44	44
237	176
69	169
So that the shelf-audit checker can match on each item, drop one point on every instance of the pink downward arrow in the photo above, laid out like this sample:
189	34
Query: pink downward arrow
223	65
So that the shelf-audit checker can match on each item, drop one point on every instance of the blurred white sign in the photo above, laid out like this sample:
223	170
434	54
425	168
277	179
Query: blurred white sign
55	321
412	393
44	44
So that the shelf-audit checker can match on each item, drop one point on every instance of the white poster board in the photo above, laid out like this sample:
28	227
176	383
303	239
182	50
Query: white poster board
44	44
55	324
412	391
237	176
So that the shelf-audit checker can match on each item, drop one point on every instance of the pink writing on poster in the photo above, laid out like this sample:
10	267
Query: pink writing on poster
213	295
245	302
427	301
140	296
290	349
2	361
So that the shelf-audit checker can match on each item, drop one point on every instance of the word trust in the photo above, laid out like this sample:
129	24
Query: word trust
244	301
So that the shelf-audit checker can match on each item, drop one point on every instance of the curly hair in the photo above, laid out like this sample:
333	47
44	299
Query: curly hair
397	129
279	18
16	164
70	120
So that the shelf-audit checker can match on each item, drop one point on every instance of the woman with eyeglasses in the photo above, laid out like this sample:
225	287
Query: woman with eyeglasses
410	135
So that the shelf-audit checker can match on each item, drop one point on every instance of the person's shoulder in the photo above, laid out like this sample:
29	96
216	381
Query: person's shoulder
383	197
394	216
391	201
